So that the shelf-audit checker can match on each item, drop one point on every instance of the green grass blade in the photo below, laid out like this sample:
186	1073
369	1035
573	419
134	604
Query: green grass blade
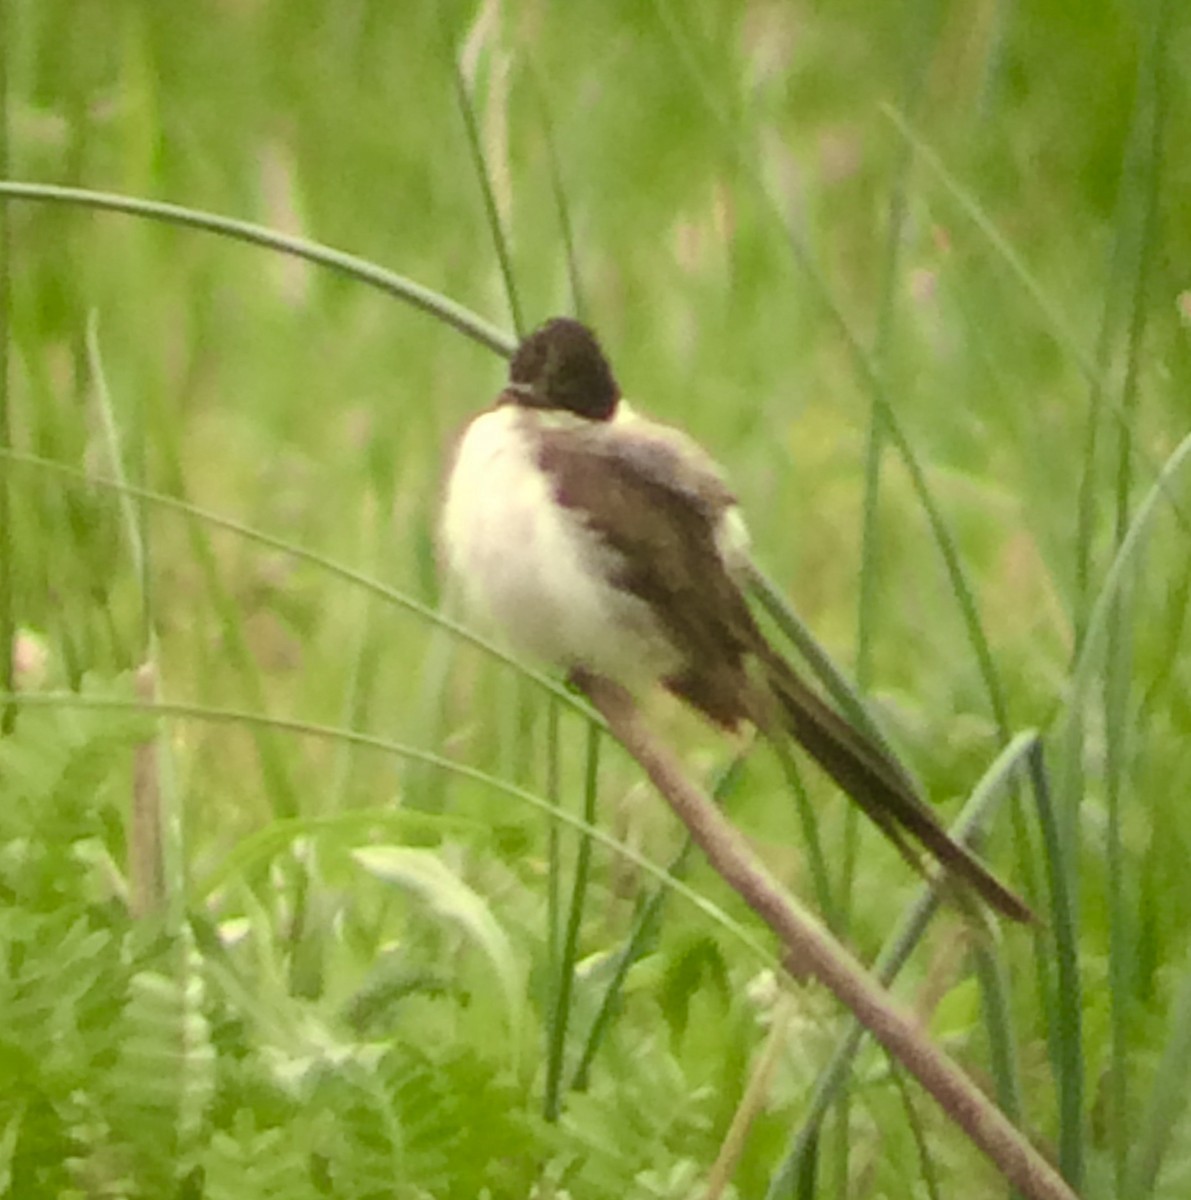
312	729
808	822
645	924
8	555
837	685
1128	549
1119	664
1065	1014
359	269
561	1006
1052	317
475	146
559	192
153	823
1168	1098
439	886
133	526
871	380
553	841
926	1160
1060	829
78	478
893	956
918	48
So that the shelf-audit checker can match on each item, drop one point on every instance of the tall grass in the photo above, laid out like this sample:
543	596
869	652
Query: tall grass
941	357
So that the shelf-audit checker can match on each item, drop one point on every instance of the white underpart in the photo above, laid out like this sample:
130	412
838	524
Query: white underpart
532	570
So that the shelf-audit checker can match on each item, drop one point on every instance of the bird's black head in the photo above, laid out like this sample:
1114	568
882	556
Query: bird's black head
561	365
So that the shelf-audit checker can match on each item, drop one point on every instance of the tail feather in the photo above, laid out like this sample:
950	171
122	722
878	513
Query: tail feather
881	788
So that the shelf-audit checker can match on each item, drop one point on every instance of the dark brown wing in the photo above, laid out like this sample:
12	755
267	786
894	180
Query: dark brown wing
880	787
657	502
657	505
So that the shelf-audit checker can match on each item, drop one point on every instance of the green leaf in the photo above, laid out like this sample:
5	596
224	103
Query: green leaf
425	875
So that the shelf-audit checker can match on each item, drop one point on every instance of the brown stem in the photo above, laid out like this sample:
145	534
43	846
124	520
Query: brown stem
751	1103
815	951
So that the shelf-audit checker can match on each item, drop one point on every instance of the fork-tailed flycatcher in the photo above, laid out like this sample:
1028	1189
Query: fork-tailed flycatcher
597	541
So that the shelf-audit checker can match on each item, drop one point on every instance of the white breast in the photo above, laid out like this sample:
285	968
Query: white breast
531	569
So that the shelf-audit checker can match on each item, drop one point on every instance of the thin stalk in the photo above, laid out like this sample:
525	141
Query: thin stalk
1168	1098
559	192
561	1008
648	915
8	557
917	52
500	240
928	1171
1066	1013
837	685
1152	107
808	820
129	512
553	842
1114	579
1085	522
148	826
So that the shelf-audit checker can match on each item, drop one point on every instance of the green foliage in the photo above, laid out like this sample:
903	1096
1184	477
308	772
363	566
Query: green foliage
944	355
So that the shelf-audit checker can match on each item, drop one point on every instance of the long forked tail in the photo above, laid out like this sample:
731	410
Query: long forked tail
880	787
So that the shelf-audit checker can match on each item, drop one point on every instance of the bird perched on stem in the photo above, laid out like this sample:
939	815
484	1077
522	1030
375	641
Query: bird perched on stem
605	544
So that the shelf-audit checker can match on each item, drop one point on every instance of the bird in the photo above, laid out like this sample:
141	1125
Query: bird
599	542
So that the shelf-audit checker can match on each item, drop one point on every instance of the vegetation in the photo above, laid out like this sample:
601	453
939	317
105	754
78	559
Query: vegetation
914	272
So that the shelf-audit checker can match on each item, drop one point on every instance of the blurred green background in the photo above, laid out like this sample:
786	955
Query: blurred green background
776	207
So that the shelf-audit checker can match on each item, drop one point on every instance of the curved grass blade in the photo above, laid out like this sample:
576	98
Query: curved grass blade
1060	828
359	269
929	1172
553	841
134	530
1127	550
232	716
1068	724
80	478
922	30
357	824
917	48
421	871
971	207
